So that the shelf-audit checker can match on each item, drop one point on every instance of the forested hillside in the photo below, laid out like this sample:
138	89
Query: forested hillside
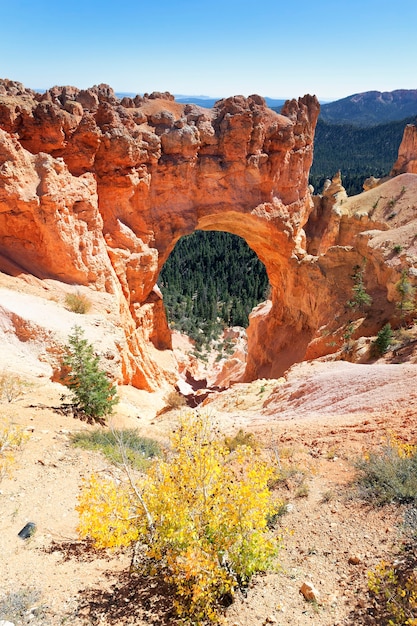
357	152
211	280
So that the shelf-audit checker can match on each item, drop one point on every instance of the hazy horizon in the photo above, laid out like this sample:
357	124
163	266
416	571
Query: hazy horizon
217	97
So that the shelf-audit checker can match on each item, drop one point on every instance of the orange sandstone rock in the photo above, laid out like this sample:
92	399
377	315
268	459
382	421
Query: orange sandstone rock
407	152
96	191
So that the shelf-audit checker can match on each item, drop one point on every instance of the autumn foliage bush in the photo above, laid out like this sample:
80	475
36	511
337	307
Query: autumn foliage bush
394	589
199	515
391	476
12	438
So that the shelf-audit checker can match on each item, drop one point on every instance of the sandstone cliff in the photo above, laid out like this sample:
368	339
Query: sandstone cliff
407	153
96	191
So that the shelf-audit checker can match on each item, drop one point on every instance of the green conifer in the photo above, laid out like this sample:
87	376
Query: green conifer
91	390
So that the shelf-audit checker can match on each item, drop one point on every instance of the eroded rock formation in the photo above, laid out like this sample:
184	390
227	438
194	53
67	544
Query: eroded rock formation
407	153
323	224
96	191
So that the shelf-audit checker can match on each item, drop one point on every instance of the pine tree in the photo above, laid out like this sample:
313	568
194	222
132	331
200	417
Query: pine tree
383	341
406	292
212	269
92	392
361	299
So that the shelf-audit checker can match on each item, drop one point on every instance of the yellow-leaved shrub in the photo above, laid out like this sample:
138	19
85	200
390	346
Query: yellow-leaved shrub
405	450
201	513
12	438
105	509
395	587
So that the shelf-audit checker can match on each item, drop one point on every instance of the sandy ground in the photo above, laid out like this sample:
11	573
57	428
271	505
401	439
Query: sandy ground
323	530
316	421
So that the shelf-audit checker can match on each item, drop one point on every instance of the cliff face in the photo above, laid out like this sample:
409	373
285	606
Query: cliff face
97	191
50	224
407	152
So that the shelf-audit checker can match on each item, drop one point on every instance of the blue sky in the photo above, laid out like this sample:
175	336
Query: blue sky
281	49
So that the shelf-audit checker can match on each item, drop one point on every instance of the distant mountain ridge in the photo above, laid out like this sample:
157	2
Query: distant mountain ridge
371	108
368	108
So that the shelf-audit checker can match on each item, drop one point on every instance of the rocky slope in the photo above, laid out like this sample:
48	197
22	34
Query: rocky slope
95	192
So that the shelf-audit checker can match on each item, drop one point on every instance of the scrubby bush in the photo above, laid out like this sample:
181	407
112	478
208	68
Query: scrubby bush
11	440
394	589
12	387
200	517
119	446
77	303
175	400
22	606
92	393
241	438
389	474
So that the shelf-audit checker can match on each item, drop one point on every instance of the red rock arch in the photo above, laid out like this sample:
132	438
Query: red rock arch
242	169
162	170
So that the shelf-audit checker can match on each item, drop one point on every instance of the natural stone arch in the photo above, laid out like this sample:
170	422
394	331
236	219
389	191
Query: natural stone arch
95	191
229	182
129	178
279	330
